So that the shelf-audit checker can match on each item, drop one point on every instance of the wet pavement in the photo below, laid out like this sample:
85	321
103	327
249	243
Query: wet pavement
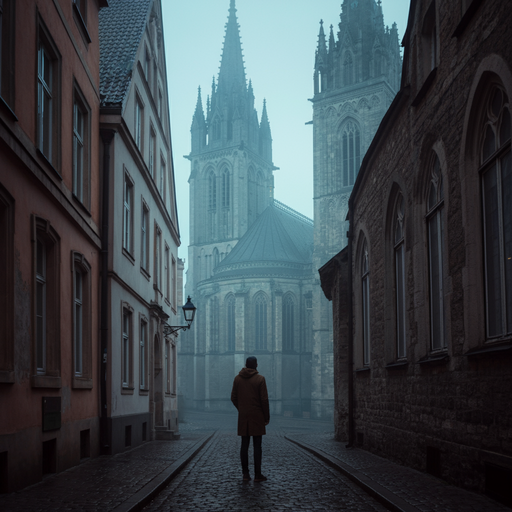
201	471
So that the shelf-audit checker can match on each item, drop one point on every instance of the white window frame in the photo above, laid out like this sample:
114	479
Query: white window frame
127	213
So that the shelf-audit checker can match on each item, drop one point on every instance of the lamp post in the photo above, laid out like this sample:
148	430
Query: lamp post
189	311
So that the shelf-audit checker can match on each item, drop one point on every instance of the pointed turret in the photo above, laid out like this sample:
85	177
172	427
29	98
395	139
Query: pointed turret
265	135
198	129
232	69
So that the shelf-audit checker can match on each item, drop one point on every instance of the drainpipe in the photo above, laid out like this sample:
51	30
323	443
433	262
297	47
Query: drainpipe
106	137
350	305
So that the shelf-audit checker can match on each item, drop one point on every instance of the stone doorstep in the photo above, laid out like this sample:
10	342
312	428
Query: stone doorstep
165	434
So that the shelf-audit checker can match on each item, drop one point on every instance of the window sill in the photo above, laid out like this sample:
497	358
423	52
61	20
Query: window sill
397	365
6	377
144	392
127	391
466	18
434	359
6	108
424	88
129	256
82	383
52	167
145	273
82	206
362	371
496	349
45	381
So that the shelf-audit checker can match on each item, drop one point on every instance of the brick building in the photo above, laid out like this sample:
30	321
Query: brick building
50	237
422	294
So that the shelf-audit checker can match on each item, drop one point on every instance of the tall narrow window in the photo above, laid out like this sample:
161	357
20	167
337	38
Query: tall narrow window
288	324
158	258
435	220
152	152
496	169
128	213
212	191
365	297
214	324
144	237
78	322
400	277
260	319
126	348
143	384
226	185
230	322
167	363
81	5
80	149
167	274
7	27
41	306
139	122
348	69
162	178
349	153
147	65
174	287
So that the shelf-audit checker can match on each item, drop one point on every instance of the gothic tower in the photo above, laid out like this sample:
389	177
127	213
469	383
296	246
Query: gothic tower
356	77
231	181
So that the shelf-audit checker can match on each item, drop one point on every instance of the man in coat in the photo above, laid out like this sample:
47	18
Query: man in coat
249	395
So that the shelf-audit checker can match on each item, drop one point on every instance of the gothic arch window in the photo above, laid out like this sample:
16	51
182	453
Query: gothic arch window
348	69
365	302
260	322
216	128
496	172
230	322
436	229
348	152
226	188
399	250
252	196
212	191
214	324
288	323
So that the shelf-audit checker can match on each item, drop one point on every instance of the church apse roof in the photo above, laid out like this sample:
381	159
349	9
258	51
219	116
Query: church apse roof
280	240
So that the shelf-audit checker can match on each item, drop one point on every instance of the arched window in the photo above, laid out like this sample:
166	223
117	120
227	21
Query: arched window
349	153
212	191
226	188
288	325
260	322
435	221
365	297
399	231
230	322
348	69
496	171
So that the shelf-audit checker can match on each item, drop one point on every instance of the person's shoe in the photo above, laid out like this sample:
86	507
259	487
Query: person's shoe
260	478
247	477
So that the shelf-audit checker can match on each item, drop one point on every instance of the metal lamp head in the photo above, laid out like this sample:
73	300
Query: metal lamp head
189	311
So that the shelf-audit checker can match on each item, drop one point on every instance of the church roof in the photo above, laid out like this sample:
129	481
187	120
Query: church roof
122	26
280	238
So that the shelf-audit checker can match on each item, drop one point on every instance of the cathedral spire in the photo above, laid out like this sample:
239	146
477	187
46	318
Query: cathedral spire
265	146
322	47
232	69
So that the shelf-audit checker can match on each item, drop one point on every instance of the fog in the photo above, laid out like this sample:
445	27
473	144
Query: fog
279	39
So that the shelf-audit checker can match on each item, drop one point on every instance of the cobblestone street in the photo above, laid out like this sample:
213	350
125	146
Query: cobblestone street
307	471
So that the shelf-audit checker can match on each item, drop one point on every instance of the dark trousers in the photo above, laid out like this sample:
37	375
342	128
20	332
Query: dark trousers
244	453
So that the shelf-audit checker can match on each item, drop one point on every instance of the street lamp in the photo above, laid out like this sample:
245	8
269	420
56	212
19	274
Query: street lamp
189	311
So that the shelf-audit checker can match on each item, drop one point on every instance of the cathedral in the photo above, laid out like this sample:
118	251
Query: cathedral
253	261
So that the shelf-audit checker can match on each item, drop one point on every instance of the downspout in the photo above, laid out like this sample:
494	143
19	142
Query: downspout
106	137
350	362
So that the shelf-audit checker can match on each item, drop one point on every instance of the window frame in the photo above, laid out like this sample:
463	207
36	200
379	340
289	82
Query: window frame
231	323
81	177
143	354
144	238
157	256
260	322
365	302
138	132
167	273
400	285
126	358
128	196
287	323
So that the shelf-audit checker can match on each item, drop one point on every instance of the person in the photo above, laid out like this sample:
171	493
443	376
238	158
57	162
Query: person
249	395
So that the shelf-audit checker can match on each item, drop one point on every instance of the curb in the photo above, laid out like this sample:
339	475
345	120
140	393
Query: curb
383	495
142	497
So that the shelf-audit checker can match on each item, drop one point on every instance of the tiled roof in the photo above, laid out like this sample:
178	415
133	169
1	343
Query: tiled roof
121	29
279	236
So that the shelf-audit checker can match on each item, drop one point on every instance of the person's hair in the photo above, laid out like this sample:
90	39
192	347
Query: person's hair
251	362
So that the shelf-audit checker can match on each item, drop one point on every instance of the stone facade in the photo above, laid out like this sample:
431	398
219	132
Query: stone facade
422	294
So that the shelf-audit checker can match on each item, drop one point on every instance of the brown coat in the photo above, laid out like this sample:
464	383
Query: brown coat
249	395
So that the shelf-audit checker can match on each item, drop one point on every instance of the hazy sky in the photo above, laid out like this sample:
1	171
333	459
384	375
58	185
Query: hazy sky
279	39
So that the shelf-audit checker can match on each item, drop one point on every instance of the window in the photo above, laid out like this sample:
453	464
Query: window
144	237
260	318
128	214
46	244
82	345
143	378
7	51
429	40
167	363
6	286
400	277
212	191
496	170
147	65
152	152
435	221
160	103
348	153
81	172
214	324
365	295
139	122
126	348
47	99
288	325
158	258
226	186
161	186
230	322
81	6
174	287
348	69
167	283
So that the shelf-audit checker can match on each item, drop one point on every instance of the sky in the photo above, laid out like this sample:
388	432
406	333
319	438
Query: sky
279	39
